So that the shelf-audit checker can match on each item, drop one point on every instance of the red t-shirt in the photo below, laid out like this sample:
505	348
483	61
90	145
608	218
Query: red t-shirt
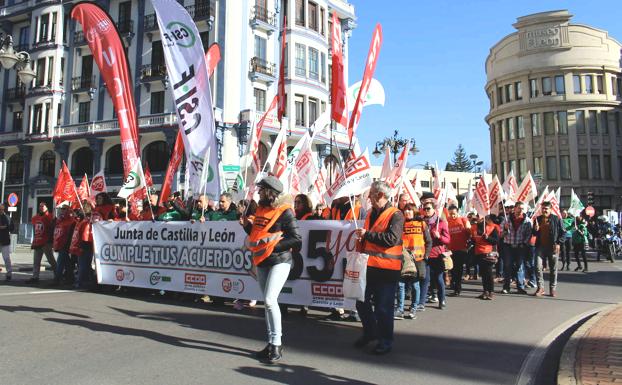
481	246
459	234
62	233
42	227
75	248
103	213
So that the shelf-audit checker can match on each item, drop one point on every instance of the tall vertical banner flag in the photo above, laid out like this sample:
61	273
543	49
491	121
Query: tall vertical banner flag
281	88
510	186
339	109
495	195
527	189
109	54
256	135
189	77
98	184
370	67
212	57
481	201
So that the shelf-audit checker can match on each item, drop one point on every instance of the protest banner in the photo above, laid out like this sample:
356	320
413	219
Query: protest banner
211	258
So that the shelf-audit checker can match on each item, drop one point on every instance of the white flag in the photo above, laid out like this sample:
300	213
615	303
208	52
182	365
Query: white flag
538	208
527	190
189	79
386	165
98	184
510	186
481	201
375	94
306	170
395	177
277	158
355	179
135	181
495	192
416	183
407	187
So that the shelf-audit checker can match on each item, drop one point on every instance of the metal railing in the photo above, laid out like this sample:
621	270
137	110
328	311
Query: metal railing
125	26
152	71
149	121
262	14
78	38
82	83
201	10
262	66
150	23
16	93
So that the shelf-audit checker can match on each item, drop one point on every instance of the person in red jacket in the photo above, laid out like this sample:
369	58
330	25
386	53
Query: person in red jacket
459	232
43	227
435	266
63	230
485	235
104	208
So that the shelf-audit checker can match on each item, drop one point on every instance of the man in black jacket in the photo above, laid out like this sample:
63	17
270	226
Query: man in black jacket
550	234
5	242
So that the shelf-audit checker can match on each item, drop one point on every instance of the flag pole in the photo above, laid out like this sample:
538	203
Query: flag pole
354	218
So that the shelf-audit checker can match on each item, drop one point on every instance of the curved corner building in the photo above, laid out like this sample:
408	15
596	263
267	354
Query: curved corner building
555	92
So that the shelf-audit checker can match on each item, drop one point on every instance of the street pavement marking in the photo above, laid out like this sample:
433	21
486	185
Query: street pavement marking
37	292
531	365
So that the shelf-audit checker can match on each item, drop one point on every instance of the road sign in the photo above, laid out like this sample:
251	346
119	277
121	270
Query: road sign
12	209
589	210
13	199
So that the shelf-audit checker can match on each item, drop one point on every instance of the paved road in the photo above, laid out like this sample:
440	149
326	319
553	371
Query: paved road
51	336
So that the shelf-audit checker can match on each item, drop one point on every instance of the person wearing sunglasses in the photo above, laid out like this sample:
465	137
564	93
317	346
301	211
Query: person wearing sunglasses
435	267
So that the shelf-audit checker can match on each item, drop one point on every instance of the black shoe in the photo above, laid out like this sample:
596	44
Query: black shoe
577	268
275	353
263	354
32	281
7	278
381	349
455	294
362	342
521	291
442	305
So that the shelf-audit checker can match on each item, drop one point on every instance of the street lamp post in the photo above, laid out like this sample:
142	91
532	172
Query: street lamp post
395	144
475	164
20	60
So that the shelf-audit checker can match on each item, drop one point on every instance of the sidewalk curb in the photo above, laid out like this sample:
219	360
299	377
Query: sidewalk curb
567	375
531	365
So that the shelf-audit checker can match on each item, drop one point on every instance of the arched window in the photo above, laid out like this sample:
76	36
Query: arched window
47	164
156	155
114	161
15	169
82	162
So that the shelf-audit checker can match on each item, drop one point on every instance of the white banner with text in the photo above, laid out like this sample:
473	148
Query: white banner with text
210	258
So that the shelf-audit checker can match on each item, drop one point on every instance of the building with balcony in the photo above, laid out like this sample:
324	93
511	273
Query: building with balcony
555	92
67	115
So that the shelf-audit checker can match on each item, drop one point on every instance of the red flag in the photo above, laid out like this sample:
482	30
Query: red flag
254	145
281	89
212	57
65	189
109	54
481	199
370	67
339	110
148	178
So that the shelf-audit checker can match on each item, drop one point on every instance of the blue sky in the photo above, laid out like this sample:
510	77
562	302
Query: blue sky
431	65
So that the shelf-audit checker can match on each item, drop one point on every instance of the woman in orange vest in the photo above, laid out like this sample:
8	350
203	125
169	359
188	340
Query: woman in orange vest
485	236
272	236
416	241
381	239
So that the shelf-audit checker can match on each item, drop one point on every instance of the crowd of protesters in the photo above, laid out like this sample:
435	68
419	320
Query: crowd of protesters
415	252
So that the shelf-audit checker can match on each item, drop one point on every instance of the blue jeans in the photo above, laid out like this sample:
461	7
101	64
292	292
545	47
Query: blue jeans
530	265
434	270
405	284
63	263
513	266
85	273
271	280
377	311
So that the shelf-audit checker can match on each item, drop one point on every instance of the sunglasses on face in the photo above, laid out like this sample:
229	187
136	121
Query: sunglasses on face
429	208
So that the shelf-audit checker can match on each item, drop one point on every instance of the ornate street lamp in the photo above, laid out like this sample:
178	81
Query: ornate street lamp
20	60
395	144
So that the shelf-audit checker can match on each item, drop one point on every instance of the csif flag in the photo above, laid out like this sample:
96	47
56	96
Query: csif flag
576	207
189	78
134	182
370	67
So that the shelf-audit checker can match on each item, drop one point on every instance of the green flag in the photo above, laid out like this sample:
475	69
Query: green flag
575	205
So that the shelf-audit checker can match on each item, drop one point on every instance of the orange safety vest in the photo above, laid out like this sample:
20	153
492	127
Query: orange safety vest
414	239
306	216
261	242
335	213
389	258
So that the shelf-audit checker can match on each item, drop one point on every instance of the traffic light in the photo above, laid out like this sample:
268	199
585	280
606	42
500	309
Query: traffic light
590	198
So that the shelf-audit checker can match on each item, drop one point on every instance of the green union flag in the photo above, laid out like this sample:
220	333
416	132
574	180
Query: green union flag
575	205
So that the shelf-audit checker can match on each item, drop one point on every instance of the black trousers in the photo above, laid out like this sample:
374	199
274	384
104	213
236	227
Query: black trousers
579	248
564	253
460	258
486	272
